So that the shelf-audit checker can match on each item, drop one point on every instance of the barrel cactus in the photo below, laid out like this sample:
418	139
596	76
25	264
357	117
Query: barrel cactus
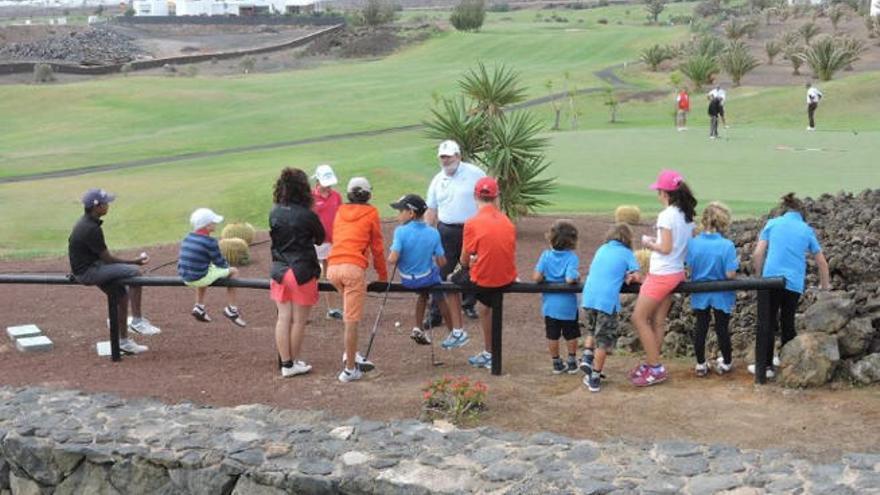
628	214
236	251
240	230
643	256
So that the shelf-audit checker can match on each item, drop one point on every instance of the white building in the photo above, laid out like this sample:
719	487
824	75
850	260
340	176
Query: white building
242	7
150	7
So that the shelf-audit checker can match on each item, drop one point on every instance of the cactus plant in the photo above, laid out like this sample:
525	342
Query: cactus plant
236	251
241	230
628	214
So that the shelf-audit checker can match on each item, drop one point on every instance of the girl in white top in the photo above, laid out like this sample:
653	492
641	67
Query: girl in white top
675	226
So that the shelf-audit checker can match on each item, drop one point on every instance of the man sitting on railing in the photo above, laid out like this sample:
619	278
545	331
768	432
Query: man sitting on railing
92	264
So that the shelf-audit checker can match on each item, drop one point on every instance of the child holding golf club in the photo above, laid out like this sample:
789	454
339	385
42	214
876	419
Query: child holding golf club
559	264
200	264
711	256
356	230
613	265
675	226
418	254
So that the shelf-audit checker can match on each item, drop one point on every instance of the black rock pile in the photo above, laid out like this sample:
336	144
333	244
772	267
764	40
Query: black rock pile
93	46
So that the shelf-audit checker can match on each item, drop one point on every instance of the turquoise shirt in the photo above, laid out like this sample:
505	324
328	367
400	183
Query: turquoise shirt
789	240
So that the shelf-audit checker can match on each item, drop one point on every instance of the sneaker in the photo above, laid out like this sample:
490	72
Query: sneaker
558	366
592	381
571	366
298	368
811	128
129	346
470	312
348	375
776	361
452	341
587	363
649	376
142	326
334	314
721	367
234	316
362	363
420	337
701	369
200	313
483	360
638	370
769	373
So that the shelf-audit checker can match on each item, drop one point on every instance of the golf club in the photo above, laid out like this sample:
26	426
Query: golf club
379	315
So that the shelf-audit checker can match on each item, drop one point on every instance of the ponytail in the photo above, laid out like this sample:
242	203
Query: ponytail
684	200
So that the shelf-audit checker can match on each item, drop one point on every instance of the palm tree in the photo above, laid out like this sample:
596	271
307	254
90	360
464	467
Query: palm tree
700	69
655	55
454	120
809	31
773	48
492	93
827	56
737	61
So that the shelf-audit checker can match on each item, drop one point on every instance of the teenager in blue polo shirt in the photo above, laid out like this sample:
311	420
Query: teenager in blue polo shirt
710	256
614	264
419	255
781	251
559	264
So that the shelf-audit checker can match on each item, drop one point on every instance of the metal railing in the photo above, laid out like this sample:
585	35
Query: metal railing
497	300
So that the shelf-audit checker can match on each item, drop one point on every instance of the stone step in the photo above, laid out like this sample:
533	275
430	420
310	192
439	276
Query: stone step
23	331
34	344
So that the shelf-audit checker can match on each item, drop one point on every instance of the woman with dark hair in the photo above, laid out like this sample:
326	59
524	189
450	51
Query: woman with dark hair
675	227
295	230
781	251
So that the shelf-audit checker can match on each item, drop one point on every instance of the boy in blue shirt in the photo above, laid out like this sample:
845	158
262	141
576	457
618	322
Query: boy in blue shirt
614	265
560	265
418	254
710	256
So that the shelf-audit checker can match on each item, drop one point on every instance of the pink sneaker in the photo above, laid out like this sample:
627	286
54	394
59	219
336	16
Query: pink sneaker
649	377
633	373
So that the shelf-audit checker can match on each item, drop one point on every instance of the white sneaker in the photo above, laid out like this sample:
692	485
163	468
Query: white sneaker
298	368
362	364
811	128
350	375
769	373
142	326
129	346
701	369
722	368
776	361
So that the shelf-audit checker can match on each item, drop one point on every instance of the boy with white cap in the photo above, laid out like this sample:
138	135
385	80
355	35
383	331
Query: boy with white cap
201	263
325	202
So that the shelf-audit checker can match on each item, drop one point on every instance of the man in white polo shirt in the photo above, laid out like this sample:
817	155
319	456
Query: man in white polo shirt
814	96
451	203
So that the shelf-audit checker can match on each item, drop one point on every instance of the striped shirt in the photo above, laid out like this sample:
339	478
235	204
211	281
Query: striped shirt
197	253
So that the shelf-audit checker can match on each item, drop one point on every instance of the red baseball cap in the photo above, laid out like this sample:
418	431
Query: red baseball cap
486	187
668	180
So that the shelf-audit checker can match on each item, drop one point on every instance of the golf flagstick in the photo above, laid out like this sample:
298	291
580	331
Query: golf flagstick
379	314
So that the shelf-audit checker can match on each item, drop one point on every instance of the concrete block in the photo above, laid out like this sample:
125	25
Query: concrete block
34	344
23	331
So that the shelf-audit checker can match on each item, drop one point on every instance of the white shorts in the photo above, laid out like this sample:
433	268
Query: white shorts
323	250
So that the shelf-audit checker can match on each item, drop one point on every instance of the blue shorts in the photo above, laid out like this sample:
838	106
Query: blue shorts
429	280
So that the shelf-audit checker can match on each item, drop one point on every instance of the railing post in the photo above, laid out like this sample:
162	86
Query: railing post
113	315
497	318
764	336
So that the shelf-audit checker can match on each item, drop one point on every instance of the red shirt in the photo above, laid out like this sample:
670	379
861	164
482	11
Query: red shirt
492	237
684	102
325	207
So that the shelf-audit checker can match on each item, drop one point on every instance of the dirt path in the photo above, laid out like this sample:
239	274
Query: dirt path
221	365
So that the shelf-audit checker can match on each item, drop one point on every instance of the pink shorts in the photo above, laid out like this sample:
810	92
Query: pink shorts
657	287
290	291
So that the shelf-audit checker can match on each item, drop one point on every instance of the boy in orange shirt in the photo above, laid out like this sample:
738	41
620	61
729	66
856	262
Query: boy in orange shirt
489	251
356	229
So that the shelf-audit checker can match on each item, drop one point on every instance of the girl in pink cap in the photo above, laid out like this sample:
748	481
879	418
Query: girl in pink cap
675	226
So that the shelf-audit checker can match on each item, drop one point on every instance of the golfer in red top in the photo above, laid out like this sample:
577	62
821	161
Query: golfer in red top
683	106
489	252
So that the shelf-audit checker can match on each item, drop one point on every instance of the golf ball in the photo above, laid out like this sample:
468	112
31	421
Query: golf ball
397	324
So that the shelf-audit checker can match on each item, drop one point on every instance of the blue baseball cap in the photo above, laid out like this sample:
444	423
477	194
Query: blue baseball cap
95	197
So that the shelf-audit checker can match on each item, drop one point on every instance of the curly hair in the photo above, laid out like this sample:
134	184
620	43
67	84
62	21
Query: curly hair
715	217
621	233
292	187
563	235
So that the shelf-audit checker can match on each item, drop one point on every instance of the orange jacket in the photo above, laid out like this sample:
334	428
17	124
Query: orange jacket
356	229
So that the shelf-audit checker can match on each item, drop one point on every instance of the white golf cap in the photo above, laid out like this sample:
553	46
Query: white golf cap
203	217
359	183
325	176
448	148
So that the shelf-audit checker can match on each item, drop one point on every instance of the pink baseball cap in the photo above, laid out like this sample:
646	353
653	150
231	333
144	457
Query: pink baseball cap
668	180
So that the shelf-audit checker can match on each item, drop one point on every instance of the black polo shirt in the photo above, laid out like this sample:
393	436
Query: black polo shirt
85	244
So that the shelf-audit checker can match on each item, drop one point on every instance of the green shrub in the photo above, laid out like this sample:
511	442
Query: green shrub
247	64
377	13
707	46
794	53
44	73
737	61
469	15
655	55
499	7
699	69
738	28
828	55
809	31
772	48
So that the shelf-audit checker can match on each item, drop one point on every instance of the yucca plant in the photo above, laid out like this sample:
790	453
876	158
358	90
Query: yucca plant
854	46
789	38
772	48
700	69
737	61
738	28
655	55
809	31
492	92
454	120
836	14
827	57
795	54
708	46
